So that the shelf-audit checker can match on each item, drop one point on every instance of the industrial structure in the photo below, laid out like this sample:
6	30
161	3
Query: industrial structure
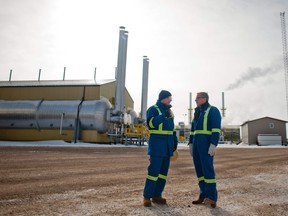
72	110
263	126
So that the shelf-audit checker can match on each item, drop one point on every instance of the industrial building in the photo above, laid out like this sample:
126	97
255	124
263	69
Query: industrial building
266	127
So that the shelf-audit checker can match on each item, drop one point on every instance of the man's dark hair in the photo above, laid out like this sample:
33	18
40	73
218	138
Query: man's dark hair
203	94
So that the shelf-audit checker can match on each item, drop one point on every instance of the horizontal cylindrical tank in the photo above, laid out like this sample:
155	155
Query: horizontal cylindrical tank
93	115
18	114
55	114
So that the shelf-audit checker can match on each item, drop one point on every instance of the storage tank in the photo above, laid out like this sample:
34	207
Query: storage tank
18	114
55	114
93	115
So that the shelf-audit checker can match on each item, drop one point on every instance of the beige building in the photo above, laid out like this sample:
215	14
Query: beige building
266	125
61	91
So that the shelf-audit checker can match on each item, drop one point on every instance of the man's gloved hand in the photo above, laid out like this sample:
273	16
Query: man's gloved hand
212	149
168	113
191	149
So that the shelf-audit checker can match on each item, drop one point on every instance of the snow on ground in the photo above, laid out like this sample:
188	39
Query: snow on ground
61	143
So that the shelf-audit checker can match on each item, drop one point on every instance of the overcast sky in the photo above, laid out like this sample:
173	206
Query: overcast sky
230	46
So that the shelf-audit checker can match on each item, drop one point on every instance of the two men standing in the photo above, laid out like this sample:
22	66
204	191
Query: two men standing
204	137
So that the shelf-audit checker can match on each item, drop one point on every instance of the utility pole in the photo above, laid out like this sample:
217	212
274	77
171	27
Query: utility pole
285	54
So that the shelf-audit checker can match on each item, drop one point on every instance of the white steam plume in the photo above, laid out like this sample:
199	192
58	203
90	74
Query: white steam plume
252	74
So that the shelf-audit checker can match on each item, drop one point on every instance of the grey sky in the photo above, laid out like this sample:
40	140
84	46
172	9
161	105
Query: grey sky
193	46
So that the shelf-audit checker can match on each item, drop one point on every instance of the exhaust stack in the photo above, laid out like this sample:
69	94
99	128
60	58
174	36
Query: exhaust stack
144	87
118	114
190	108
223	106
121	70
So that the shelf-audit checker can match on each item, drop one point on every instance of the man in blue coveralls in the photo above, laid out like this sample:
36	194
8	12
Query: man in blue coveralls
162	143
204	137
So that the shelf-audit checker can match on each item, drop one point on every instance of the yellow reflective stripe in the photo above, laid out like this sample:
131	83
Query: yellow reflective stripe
205	123
216	130
210	181
151	123
160	127
152	178
201	178
192	133
159	111
161	132
203	132
162	177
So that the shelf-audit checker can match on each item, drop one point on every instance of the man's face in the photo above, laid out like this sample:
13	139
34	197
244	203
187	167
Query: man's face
200	100
167	100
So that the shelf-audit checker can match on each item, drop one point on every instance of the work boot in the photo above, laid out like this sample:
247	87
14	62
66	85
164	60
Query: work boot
208	201
159	200
147	202
199	201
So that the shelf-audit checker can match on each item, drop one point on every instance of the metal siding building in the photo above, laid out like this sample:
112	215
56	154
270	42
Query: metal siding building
265	125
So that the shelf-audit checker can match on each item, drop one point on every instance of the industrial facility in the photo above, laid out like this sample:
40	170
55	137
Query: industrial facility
102	111
73	110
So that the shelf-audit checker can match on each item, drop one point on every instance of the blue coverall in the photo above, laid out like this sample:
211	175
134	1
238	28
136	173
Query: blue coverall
205	130
162	143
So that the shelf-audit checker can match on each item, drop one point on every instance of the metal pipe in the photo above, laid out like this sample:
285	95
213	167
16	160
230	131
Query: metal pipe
144	87
39	75
64	73
95	74
10	75
61	122
190	108
223	106
121	70
78	123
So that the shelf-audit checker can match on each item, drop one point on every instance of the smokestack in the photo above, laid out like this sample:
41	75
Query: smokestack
144	87
121	70
190	108
223	106
117	114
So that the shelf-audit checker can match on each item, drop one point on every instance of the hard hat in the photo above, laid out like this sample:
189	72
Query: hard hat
175	156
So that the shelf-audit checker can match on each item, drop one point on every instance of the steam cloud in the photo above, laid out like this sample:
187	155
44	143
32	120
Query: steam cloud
252	74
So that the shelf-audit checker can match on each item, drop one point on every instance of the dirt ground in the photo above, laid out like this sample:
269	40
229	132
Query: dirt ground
109	181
